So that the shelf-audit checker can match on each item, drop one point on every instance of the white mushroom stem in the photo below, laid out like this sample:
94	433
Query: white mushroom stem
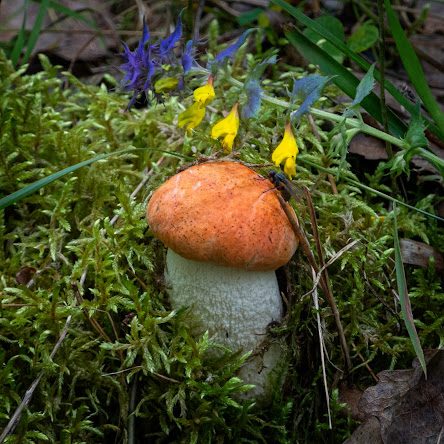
235	306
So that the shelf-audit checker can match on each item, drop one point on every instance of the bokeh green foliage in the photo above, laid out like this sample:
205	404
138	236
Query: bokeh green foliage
143	358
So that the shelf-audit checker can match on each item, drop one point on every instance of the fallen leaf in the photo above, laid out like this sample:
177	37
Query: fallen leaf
367	433
418	253
351	397
24	275
367	146
408	408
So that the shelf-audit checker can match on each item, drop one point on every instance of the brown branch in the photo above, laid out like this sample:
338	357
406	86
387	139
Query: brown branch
134	275
77	55
329	294
256	165
298	231
93	321
366	365
322	281
175	381
110	320
197	20
90	31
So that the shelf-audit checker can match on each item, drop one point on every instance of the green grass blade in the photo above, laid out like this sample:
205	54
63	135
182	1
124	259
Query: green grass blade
30	189
370	190
20	42
413	67
409	106
35	33
169	153
406	308
78	16
32	40
432	158
70	13
344	79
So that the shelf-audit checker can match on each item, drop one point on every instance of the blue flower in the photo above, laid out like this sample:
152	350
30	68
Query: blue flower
140	66
146	65
135	61
145	37
307	90
167	45
188	57
253	89
228	53
254	94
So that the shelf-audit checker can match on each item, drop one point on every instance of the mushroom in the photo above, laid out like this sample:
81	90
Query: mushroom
226	235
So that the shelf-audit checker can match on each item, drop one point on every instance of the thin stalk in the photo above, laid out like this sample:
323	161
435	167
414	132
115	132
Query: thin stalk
331	178
303	241
388	146
197	20
15	419
329	295
351	123
132	416
370	190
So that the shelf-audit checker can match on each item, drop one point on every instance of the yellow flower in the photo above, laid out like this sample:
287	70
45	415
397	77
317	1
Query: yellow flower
191	117
205	94
166	85
227	128
287	151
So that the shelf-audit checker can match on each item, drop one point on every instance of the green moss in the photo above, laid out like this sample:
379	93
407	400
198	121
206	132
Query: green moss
125	349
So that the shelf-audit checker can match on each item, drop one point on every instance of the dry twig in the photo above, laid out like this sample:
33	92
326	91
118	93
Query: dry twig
322	344
329	294
320	280
366	365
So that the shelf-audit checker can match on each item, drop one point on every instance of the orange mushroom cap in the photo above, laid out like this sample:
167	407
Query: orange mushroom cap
222	213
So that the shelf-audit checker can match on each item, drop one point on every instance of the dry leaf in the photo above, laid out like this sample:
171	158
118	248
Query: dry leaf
370	147
418	253
367	433
408	408
24	275
351	397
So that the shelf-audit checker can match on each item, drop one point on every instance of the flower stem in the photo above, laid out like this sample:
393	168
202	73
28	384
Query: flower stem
370	190
381	14
351	123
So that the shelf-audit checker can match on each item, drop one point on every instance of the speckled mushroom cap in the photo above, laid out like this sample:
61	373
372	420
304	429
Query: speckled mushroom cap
220	213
